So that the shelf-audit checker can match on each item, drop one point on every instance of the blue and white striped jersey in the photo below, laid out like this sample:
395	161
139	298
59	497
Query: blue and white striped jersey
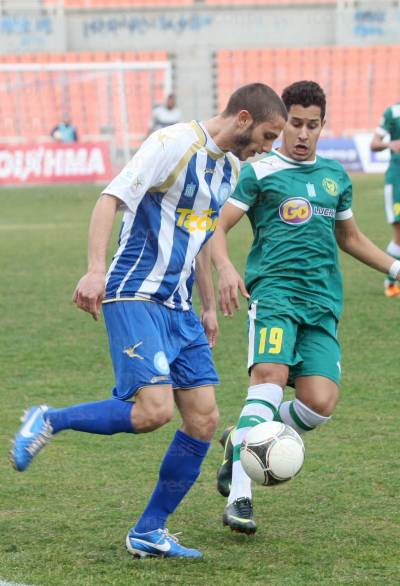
172	191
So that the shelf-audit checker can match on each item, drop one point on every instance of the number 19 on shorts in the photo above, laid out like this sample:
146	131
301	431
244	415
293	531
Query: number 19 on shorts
270	341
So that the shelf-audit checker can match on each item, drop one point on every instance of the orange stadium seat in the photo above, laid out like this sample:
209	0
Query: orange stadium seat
266	2
360	82
118	3
171	3
32	103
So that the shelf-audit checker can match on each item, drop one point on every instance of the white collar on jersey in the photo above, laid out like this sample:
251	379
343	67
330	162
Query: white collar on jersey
210	143
289	160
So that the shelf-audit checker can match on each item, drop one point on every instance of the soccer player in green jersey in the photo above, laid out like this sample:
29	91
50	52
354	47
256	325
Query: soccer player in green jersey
299	207
387	136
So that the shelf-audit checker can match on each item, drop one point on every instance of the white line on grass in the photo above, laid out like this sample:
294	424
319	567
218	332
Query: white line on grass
4	583
23	227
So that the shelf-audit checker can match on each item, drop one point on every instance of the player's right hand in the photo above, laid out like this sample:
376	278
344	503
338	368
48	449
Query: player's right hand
89	293
230	282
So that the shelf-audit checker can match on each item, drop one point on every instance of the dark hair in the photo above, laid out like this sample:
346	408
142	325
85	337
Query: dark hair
260	100
305	93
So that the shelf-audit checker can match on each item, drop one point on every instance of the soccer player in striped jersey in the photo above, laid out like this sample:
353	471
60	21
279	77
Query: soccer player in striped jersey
171	193
387	136
299	206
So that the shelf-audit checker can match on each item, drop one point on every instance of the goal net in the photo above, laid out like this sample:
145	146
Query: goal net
105	101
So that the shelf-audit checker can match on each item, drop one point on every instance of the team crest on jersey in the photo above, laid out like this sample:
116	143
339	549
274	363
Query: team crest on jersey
190	190
161	363
295	211
330	186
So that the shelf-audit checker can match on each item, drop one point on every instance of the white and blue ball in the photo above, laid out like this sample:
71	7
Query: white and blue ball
271	453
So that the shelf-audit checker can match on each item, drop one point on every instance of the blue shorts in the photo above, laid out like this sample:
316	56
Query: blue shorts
151	344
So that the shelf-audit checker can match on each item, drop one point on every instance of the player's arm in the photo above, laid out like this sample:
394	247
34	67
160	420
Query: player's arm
147	168
205	288
379	143
381	138
229	278
351	240
89	292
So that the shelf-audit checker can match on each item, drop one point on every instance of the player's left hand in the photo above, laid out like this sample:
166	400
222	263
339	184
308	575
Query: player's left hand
210	323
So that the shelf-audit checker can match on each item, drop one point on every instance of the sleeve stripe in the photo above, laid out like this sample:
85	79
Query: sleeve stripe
382	132
345	214
238	204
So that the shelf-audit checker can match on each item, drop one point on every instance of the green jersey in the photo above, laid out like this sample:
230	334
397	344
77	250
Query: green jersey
390	126
292	208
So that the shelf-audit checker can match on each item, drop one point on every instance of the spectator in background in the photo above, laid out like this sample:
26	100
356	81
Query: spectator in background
165	114
64	132
387	136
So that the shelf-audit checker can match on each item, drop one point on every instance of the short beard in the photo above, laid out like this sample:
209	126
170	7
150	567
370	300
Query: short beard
242	141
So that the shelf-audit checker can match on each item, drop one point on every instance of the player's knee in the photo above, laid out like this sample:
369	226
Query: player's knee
323	403
160	415
269	373
151	416
203	425
212	422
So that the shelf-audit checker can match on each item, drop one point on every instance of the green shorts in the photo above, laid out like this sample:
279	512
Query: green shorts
299	334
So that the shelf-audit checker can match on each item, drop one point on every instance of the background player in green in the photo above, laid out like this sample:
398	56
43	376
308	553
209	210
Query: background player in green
387	136
299	206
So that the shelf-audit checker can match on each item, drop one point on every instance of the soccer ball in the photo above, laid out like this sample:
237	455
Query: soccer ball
271	453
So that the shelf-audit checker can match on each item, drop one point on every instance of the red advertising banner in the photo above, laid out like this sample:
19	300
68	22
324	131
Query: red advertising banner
54	163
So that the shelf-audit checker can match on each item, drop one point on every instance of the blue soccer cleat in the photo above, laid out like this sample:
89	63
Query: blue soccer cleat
158	543
32	436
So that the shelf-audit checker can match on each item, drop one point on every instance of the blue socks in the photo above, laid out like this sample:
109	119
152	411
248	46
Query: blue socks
179	470
102	417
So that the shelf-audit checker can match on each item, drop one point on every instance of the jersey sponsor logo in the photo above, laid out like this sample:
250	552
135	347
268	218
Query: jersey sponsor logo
330	186
131	351
160	362
321	211
192	221
209	171
295	211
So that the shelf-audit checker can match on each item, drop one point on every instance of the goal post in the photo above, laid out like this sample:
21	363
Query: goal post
108	101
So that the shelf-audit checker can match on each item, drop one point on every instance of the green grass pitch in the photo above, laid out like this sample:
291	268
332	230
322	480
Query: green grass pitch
64	522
